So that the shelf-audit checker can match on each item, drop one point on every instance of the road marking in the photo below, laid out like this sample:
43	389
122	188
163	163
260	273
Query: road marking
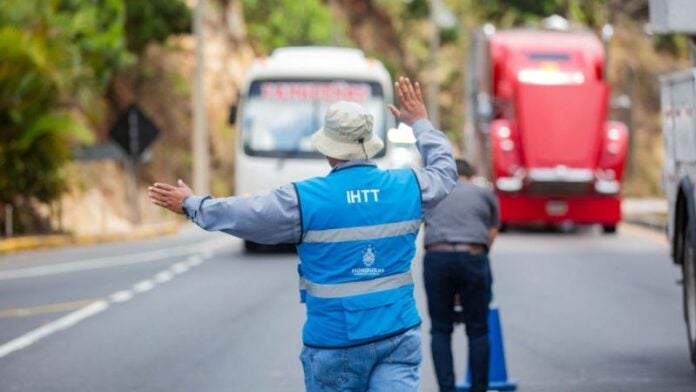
121	296
145	285
94	307
50	308
194	261
62	323
207	247
179	268
164	276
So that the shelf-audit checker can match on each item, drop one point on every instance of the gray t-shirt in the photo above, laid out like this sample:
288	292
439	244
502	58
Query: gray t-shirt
465	215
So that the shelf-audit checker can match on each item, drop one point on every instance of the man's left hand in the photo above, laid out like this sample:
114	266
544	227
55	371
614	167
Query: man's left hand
411	101
168	196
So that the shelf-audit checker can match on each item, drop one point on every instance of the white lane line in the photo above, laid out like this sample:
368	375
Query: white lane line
104	262
164	276
90	310
194	261
114	261
121	296
145	285
179	268
62	323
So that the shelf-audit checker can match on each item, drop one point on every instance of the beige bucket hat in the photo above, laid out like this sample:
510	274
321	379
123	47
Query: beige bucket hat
347	133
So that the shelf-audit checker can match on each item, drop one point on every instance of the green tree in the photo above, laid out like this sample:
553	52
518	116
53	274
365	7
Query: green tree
275	23
154	20
57	55
35	128
56	60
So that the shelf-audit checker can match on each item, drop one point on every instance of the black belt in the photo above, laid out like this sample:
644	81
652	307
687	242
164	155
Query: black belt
474	249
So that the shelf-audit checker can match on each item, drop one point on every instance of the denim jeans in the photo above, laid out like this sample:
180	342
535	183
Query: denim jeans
390	364
447	274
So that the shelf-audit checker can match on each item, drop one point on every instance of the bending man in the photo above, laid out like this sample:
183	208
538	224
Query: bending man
458	235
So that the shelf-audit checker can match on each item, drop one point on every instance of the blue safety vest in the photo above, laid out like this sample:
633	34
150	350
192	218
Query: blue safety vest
359	226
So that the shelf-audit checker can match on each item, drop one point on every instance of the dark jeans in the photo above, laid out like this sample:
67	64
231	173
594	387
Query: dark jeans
447	274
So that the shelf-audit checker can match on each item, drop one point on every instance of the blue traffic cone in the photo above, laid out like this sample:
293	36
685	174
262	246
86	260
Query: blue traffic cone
497	371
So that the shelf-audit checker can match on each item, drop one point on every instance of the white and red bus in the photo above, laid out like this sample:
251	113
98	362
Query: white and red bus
283	102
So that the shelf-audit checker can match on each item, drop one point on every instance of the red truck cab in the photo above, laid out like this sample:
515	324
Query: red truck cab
540	127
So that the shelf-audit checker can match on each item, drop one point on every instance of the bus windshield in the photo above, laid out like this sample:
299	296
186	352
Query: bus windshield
280	115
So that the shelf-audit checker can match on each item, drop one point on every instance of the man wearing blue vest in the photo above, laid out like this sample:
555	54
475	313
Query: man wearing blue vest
355	231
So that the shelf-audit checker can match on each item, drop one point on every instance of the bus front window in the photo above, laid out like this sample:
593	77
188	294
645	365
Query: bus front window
280	116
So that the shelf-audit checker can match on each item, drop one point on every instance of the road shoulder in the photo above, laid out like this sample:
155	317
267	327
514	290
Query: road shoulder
15	244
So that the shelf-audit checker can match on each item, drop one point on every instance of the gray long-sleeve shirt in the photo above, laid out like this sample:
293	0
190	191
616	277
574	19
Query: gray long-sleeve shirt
274	217
466	215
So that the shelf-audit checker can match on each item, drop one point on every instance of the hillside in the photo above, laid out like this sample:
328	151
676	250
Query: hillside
161	84
396	32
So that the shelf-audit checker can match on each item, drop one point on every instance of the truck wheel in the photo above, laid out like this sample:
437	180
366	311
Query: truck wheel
689	289
609	229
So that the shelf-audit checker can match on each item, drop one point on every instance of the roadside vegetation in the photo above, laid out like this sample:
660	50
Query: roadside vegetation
69	66
58	58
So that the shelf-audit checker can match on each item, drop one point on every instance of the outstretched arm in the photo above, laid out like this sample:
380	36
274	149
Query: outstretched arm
271	218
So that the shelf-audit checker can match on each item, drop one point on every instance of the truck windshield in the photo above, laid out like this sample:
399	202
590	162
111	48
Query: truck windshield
280	115
550	68
549	56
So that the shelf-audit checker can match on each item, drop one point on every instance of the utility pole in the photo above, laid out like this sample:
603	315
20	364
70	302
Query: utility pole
440	17
9	224
334	22
433	85
201	157
133	164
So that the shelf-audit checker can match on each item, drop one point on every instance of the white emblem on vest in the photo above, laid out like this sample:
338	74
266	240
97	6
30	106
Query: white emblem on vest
369	256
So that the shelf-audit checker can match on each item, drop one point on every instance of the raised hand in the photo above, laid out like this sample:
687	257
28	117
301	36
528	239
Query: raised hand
411	102
168	196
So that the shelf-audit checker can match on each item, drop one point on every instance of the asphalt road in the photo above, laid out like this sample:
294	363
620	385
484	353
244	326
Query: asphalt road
580	312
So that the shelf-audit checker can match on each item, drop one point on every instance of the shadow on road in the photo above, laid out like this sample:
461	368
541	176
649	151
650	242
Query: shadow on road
557	229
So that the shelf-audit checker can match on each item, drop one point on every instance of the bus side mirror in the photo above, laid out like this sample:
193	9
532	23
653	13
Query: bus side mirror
233	114
401	135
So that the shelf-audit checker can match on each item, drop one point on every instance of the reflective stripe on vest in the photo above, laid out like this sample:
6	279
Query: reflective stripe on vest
356	288
363	232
